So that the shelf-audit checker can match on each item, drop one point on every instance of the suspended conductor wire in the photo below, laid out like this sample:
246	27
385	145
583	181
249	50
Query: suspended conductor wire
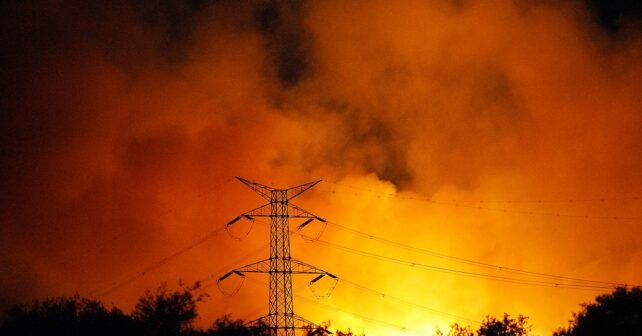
383	295
598	286
458	204
329	292
540	200
376	293
465	273
232	292
364	318
335	309
230	265
241	237
564	281
310	284
160	263
307	238
117	285
466	261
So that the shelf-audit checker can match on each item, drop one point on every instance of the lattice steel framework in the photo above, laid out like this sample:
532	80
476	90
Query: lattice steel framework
280	266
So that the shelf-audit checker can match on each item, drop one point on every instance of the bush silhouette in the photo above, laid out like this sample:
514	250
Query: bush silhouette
492	326
616	313
67	316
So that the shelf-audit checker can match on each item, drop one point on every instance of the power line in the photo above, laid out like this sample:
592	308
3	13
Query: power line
463	260
383	295
335	309
361	317
464	273
539	200
458	204
598	286
160	263
230	265
167	210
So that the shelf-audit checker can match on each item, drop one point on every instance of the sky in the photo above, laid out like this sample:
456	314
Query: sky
507	133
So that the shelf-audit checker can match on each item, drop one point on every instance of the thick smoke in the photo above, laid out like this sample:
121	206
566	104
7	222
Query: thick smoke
122	122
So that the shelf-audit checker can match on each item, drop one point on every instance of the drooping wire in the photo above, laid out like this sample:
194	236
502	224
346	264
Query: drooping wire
458	204
326	295
160	263
541	200
116	285
364	318
383	295
310	284
463	260
465	273
232	292
241	237
335	309
138	228
229	266
575	283
309	239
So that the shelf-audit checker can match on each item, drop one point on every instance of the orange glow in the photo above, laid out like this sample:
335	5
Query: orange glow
465	100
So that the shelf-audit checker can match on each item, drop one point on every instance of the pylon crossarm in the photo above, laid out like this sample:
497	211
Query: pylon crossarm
297	212
263	190
262	266
301	323
300	267
300	189
257	321
262	211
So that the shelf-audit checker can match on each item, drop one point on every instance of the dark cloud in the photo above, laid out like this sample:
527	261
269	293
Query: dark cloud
288	42
379	144
613	14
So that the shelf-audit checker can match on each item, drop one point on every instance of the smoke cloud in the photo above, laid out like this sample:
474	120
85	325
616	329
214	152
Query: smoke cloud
123	123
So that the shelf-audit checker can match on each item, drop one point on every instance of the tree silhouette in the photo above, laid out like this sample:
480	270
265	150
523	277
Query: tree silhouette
67	316
165	313
492	326
457	330
617	313
225	326
507	326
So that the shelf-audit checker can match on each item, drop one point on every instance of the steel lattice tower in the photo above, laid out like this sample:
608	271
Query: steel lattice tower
280	266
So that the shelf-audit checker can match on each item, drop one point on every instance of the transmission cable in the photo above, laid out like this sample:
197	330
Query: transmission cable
464	273
540	200
558	284
457	204
383	295
463	260
160	262
361	317
335	309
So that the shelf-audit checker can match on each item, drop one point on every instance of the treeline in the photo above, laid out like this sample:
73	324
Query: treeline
166	312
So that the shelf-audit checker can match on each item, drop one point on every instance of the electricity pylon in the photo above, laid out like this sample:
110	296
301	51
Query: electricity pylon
280	266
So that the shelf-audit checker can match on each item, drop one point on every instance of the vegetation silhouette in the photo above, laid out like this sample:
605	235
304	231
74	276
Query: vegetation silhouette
616	313
165	312
68	316
492	326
